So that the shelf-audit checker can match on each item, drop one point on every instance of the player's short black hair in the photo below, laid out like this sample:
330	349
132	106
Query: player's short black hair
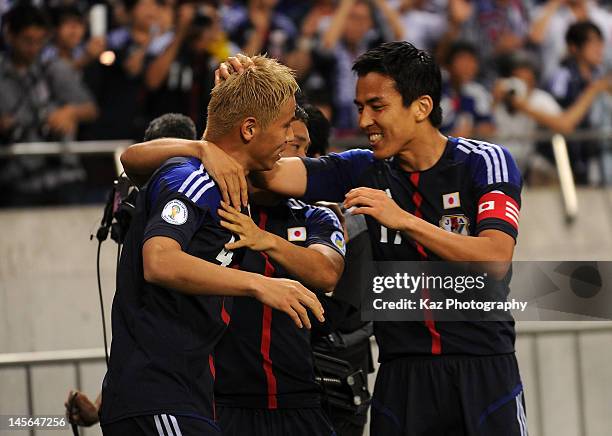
414	72
24	15
578	33
460	47
300	114
171	126
318	129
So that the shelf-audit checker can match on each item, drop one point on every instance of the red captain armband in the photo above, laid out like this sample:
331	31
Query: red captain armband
496	204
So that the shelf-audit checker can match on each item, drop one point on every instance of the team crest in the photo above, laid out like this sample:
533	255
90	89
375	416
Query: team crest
337	239
459	224
175	212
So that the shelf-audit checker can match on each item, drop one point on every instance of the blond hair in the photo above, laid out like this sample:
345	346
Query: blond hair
259	92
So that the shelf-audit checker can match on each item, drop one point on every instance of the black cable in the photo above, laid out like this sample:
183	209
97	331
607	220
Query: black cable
102	304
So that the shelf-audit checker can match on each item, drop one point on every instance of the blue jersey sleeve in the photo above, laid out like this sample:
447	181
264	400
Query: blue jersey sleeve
323	227
331	177
497	185
179	197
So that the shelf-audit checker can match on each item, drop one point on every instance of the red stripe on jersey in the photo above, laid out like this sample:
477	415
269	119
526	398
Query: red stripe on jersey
266	329
436	344
417	199
225	316
500	206
211	365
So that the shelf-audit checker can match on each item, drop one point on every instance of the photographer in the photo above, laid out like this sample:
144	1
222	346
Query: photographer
519	106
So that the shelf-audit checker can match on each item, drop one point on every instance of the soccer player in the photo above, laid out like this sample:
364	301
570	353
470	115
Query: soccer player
265	379
425	197
170	309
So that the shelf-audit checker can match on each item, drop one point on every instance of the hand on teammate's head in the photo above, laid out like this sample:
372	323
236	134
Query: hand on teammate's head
233	65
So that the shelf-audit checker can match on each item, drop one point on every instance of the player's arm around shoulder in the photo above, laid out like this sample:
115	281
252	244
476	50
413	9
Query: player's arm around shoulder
141	160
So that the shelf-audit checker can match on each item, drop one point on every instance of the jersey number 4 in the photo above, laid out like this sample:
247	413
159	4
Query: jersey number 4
225	256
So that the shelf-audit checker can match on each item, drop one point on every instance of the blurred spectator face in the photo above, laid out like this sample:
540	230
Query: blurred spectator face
592	50
382	115
527	75
144	14
301	140
359	23
70	33
463	68
267	4
28	44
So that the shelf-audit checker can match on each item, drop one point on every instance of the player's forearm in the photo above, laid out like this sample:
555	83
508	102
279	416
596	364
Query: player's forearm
177	270
141	160
310	267
458	248
288	177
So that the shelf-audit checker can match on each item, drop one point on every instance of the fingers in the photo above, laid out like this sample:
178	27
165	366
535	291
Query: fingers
231	227
310	300
224	72
235	64
366	192
229	213
294	316
236	245
363	211
223	188
233	185
246	61
217	77
244	189
303	314
360	201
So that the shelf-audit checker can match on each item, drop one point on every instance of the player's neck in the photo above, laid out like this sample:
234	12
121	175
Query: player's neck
234	148
423	151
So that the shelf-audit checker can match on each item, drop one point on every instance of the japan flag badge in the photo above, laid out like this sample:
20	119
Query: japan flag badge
451	201
296	234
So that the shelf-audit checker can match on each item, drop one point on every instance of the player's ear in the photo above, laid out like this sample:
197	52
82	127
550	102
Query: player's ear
248	128
422	107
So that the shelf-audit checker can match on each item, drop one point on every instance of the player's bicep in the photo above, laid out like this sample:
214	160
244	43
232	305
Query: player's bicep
158	253
288	177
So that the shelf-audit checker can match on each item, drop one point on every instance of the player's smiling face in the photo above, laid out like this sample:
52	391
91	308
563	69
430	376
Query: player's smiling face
383	117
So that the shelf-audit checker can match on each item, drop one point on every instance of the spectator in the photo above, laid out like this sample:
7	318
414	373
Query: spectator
40	101
422	27
522	108
117	81
585	46
180	76
69	26
350	33
466	104
261	29
551	22
497	27
318	129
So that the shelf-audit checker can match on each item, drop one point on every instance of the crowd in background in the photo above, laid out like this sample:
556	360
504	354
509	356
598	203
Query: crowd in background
72	69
